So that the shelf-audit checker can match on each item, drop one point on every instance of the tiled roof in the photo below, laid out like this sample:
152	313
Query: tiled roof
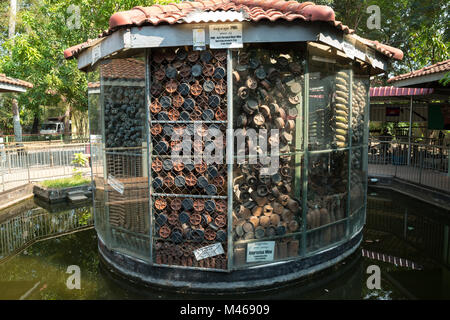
129	69
94	85
15	82
442	66
253	10
396	92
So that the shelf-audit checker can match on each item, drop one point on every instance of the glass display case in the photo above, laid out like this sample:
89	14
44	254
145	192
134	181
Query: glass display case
257	153
221	148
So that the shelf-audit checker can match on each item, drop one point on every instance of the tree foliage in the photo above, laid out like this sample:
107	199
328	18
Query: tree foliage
420	28
44	30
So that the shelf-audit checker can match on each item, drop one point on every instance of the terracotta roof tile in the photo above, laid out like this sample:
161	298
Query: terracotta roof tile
129	69
255	10
395	92
15	82
442	66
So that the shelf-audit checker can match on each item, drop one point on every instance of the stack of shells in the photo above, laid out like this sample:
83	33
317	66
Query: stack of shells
182	255
318	127
188	86
359	98
322	212
124	116
359	101
341	112
268	88
189	221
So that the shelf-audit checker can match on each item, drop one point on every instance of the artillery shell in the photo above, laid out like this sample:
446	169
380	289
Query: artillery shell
243	93
220	87
193	56
196	89
213	101
340	138
341	87
219	73
187	204
180	181
184	88
257	211
254	220
208	70
264	221
205	56
183	217
171	72
341	100
258	119
251	83
208	86
260	73
341	132
164	232
341	119
341	81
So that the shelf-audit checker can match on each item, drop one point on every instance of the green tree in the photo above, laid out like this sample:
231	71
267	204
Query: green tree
44	30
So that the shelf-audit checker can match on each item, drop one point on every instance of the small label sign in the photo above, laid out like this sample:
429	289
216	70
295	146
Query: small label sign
115	184
96	138
198	36
260	251
209	251
96	53
225	36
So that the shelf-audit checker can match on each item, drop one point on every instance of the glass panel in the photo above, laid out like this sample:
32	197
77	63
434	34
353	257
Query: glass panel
268	86
188	113
329	99
321	238
327	192
96	150
358	180
361	85
125	163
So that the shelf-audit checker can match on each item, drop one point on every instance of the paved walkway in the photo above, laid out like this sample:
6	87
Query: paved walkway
19	177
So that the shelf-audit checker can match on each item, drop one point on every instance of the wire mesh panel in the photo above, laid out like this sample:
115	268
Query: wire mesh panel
188	114
268	86
125	155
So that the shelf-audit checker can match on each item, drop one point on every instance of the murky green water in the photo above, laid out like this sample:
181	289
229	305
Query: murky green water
397	227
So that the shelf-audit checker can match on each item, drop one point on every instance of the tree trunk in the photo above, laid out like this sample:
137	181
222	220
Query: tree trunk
67	130
35	129
16	121
12	18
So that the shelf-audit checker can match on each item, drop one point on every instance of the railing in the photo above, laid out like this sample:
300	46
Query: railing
50	138
37	161
37	224
423	164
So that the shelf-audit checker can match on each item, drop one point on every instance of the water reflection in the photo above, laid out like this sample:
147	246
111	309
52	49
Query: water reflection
37	224
397	227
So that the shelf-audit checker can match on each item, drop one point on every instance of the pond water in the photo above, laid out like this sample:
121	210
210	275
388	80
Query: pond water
411	237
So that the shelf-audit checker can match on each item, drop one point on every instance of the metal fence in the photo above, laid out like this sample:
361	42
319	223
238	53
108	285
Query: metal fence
424	164
38	224
37	161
